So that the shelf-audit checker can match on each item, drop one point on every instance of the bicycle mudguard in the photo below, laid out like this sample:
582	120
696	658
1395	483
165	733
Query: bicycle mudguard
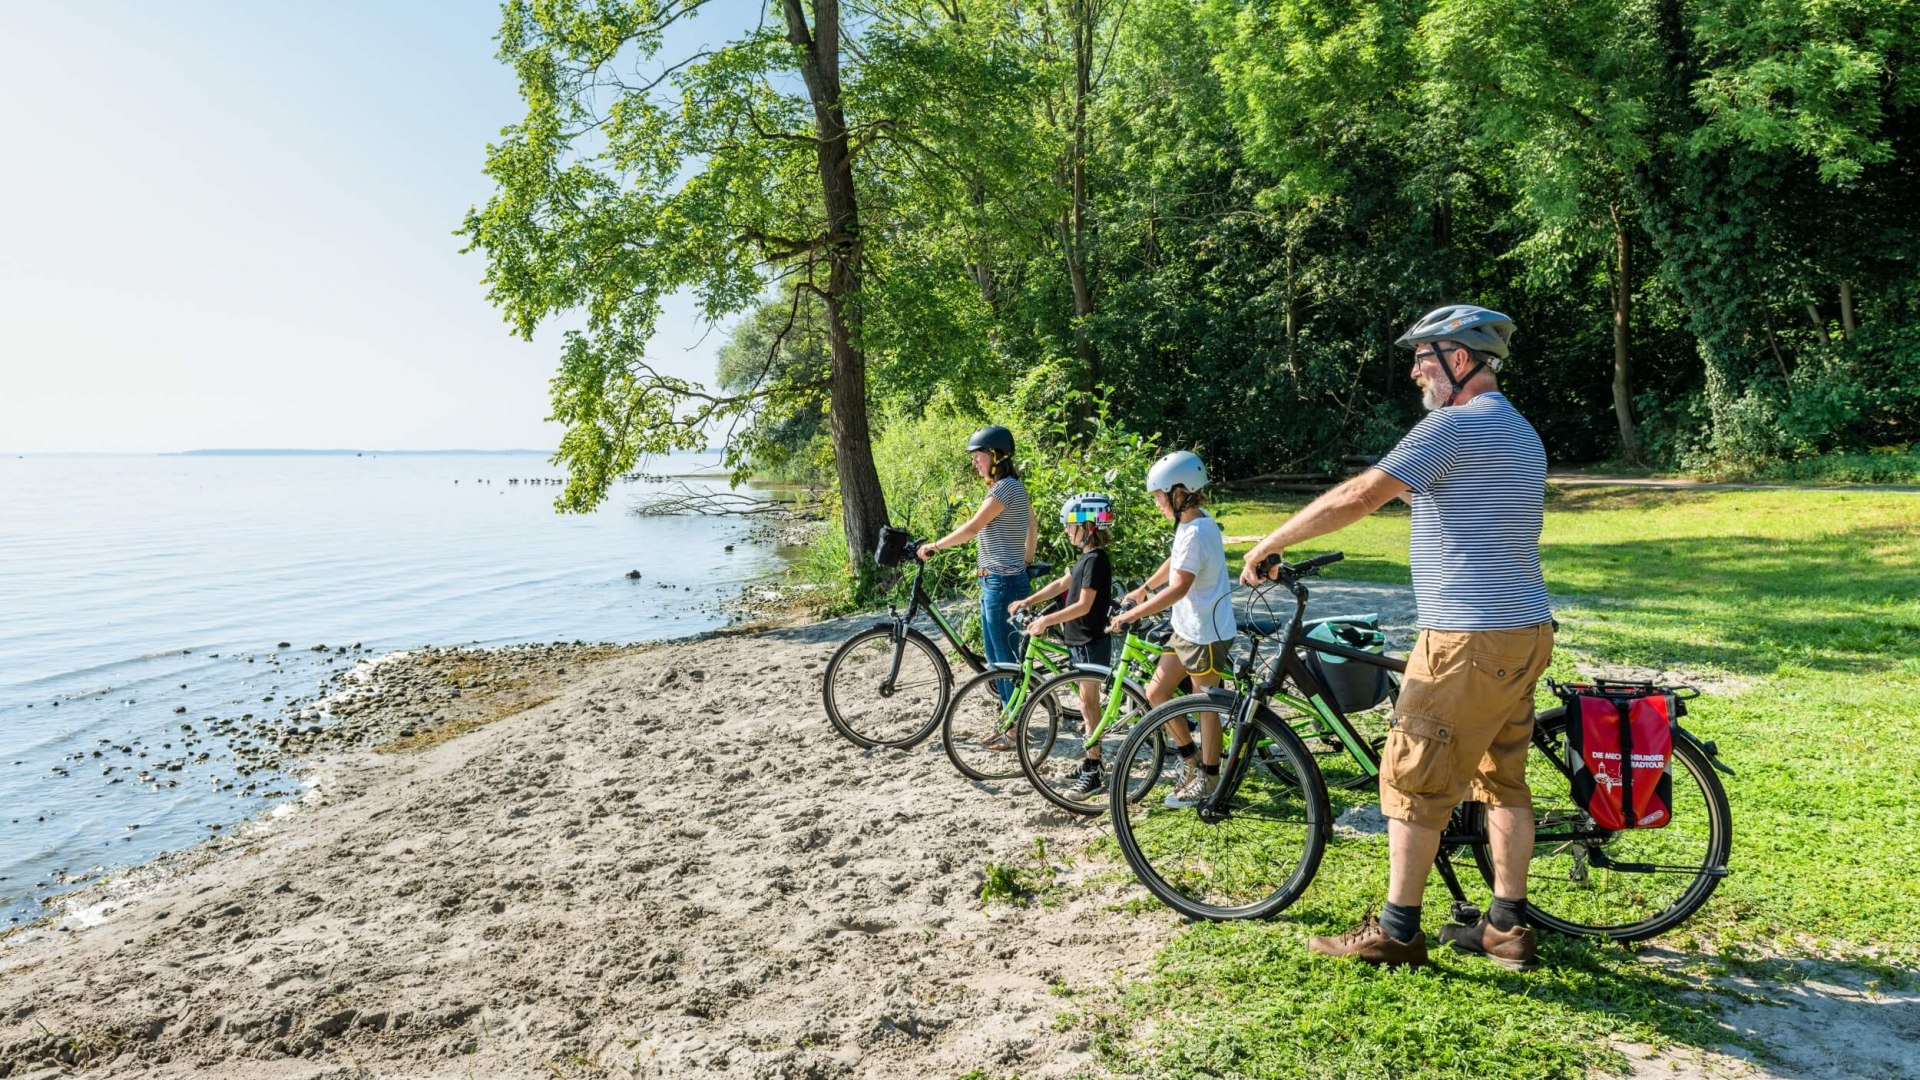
1096	669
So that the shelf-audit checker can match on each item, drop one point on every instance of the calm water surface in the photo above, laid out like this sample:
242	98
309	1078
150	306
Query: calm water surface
138	593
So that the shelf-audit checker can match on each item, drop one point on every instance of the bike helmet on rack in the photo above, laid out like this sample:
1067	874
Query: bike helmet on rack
1088	508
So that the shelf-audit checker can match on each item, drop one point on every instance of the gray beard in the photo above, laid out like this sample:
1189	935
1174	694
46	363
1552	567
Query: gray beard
1433	397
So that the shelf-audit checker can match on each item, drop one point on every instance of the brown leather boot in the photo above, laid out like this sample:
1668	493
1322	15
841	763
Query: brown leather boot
1370	944
1515	949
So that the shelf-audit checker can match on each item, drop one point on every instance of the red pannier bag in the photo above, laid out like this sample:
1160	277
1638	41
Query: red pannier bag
1620	751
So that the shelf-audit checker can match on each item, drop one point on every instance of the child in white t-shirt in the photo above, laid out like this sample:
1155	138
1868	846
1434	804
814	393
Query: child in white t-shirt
1200	592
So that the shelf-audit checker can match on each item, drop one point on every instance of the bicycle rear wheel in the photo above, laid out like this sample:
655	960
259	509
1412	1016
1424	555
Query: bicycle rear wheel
868	710
1627	885
982	718
1248	862
1051	762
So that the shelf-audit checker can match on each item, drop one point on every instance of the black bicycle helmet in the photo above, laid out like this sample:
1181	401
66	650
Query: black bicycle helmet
995	439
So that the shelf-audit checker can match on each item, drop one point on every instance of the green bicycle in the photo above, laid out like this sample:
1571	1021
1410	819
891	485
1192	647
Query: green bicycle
977	729
1051	748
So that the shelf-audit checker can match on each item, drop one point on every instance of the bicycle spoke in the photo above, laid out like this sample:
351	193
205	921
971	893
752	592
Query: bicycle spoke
1248	859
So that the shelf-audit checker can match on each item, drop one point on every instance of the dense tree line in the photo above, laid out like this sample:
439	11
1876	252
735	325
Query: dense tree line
1216	215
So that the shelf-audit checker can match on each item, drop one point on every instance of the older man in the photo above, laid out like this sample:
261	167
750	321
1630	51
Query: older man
1475	472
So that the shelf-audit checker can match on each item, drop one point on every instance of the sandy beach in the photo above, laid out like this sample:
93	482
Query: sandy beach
671	867
634	861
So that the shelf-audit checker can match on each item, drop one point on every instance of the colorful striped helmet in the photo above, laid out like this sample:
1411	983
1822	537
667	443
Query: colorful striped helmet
1088	508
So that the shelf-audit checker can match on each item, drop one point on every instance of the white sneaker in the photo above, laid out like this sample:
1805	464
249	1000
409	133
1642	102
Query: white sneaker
1197	787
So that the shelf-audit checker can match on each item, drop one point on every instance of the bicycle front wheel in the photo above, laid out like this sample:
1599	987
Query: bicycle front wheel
1247	859
978	728
879	692
1627	885
1051	762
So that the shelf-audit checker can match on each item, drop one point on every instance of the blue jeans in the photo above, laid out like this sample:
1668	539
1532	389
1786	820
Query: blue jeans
996	592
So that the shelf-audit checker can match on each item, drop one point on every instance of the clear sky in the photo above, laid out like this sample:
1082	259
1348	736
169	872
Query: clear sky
230	224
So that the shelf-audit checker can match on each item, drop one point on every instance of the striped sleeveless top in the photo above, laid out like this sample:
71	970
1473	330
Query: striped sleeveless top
1003	543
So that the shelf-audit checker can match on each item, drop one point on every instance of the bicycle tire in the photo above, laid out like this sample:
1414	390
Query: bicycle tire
1569	893
1246	875
971	719
1041	757
851	689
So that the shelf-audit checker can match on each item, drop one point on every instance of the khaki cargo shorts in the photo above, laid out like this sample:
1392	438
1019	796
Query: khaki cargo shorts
1209	659
1463	722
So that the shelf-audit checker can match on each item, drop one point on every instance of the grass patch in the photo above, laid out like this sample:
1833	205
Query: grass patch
1020	884
1809	601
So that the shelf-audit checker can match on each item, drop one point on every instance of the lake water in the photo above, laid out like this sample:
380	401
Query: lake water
138	593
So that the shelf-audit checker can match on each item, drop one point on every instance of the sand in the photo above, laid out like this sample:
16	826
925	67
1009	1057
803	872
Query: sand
666	864
671	868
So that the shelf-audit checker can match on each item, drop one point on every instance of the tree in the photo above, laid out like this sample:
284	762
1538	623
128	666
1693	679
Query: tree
711	174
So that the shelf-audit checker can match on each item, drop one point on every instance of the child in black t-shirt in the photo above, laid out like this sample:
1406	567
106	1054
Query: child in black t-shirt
1088	519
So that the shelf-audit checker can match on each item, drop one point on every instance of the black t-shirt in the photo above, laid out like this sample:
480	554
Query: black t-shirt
1093	571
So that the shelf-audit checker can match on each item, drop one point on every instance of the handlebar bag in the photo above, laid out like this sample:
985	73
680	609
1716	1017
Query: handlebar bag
1355	686
1620	751
891	550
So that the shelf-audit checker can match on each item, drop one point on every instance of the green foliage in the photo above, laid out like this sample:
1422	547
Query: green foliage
780	347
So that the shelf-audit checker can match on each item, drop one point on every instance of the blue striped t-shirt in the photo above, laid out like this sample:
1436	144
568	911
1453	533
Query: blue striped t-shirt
1478	478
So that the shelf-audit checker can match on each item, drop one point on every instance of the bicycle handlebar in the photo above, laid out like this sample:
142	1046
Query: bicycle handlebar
1305	568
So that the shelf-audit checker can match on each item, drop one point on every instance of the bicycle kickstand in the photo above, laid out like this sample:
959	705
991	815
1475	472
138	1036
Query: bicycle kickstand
1463	910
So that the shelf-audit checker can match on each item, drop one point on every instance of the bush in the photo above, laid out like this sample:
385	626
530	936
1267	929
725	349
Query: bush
931	488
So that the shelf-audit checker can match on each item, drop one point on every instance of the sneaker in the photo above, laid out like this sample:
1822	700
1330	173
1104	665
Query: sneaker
1516	949
1088	783
1197	787
1370	944
1181	770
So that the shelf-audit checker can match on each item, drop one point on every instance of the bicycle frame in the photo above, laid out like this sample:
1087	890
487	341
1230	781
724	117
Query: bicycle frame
1138	657
1052	659
916	601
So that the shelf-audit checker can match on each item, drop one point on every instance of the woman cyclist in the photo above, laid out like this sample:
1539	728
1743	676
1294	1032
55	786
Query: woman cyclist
1004	523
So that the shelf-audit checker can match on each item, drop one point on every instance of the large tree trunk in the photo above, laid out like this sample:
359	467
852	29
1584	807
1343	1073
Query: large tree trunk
1074	227
1846	309
863	507
1622	330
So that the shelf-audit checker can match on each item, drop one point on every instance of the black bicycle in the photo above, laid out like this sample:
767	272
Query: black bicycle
1251	848
889	684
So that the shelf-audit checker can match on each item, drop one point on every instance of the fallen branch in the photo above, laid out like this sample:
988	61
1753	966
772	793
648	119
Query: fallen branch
680	499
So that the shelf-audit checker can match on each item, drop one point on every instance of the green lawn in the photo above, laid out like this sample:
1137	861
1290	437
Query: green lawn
1805	608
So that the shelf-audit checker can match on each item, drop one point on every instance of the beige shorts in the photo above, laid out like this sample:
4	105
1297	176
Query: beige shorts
1208	659
1463	722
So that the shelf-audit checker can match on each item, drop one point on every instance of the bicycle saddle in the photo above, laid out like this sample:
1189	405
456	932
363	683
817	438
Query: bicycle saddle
1039	569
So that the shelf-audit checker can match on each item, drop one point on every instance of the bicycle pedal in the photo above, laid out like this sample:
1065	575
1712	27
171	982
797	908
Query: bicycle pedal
1465	912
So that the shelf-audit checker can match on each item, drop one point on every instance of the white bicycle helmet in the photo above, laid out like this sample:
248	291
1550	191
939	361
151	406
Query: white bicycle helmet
1088	508
1181	468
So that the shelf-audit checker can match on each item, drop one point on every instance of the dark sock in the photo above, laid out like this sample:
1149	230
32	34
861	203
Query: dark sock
1091	765
1210	770
1507	914
1400	923
1187	750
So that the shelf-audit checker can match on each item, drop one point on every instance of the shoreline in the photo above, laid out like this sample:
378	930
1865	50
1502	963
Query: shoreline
719	882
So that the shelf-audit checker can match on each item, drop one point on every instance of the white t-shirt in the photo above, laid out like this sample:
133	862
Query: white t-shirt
1205	614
